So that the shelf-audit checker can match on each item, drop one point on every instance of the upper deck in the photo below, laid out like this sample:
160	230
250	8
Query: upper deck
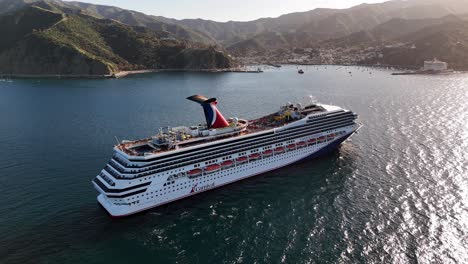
172	139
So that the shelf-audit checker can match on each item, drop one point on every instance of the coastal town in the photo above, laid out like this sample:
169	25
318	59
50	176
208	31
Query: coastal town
323	55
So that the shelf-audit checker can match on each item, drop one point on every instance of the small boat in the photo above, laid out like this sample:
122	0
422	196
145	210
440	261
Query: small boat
331	136
312	141
321	139
301	144
267	153
292	146
301	71
279	150
194	173
213	168
242	159
227	164
254	156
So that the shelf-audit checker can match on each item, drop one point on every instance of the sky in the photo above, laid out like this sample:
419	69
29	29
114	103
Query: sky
222	10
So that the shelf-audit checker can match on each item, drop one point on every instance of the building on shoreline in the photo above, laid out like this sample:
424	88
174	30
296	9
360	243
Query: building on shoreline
435	65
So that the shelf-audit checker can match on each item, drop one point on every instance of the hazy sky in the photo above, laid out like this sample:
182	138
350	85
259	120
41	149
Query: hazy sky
222	10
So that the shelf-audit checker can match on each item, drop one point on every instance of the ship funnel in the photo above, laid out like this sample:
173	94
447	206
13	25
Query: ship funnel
214	118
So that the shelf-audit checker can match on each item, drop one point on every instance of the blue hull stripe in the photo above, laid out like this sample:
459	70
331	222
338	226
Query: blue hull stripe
327	149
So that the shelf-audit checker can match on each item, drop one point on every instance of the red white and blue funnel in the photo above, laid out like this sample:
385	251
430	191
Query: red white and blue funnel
214	118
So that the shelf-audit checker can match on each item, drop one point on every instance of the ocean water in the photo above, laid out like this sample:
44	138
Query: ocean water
397	192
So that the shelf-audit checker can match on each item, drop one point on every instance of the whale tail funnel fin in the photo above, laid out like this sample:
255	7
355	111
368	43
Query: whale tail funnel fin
214	118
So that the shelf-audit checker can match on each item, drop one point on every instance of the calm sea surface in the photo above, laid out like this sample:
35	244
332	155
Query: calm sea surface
396	193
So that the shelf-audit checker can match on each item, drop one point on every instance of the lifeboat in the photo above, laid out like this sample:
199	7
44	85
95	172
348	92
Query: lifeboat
241	160
279	150
312	141
321	139
227	164
301	144
292	146
194	173
267	153
213	168
331	136
254	156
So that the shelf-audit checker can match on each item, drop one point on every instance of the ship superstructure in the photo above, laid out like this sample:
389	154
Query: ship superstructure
182	161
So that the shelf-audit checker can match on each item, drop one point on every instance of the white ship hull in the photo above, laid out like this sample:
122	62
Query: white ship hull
158	193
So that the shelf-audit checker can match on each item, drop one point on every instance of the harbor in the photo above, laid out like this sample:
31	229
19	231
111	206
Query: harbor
433	67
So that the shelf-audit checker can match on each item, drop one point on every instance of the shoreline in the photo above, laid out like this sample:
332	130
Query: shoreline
346	65
244	69
119	75
124	74
54	76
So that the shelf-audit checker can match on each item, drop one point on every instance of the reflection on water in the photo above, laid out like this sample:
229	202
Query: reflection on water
397	192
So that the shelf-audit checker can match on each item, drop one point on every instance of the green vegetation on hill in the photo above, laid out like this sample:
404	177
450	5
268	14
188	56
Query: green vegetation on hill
15	26
134	18
67	42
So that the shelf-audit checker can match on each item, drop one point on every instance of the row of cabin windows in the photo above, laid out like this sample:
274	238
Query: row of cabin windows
291	141
169	163
227	158
240	154
169	183
205	175
205	181
253	151
295	129
209	154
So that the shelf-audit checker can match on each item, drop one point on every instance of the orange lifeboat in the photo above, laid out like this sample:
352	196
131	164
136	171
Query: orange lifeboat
301	144
312	141
194	173
254	156
213	168
279	150
292	146
267	153
227	164
241	160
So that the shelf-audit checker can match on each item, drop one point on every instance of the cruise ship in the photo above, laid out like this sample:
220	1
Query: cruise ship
179	162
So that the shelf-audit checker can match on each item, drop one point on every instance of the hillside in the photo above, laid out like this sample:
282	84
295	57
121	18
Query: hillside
301	29
128	17
322	25
390	31
45	38
134	18
447	42
410	42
